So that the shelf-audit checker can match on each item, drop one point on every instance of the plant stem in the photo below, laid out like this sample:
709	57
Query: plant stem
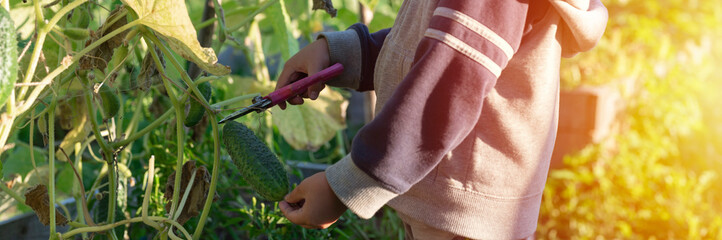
107	154
179	120
107	151
155	124
250	17
7	125
233	12
148	191
184	75
187	191
42	33
120	223
65	65
79	190
112	189
233	100
214	177
13	194
78	186
77	224
51	163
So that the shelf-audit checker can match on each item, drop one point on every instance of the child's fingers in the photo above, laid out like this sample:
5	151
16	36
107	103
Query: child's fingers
286	75
315	89
295	100
295	215
296	195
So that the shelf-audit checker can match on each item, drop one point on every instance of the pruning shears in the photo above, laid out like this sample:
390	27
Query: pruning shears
282	94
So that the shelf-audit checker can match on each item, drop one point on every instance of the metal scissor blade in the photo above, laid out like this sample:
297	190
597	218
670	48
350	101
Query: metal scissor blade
236	114
258	106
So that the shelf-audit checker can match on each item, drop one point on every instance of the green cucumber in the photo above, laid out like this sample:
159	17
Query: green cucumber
76	33
109	101
81	17
8	56
196	110
257	164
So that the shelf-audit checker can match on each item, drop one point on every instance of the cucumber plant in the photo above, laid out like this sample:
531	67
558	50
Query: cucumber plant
76	64
95	95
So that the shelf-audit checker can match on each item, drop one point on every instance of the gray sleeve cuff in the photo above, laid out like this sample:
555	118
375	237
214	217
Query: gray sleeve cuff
358	191
344	47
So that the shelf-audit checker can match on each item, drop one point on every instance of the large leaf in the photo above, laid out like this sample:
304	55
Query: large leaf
314	123
169	18
283	29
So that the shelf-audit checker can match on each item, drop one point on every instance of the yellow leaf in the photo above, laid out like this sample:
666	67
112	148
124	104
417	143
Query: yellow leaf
312	124
169	18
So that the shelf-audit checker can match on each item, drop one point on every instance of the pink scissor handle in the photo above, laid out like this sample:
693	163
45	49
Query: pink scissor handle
298	87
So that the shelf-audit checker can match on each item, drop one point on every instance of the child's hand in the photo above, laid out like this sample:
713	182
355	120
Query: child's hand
311	59
312	204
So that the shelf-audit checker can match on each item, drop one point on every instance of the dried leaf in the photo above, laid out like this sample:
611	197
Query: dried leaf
69	115
37	198
101	55
169	18
325	5
198	194
76	119
149	74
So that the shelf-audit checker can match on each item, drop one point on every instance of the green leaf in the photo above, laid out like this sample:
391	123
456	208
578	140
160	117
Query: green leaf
8	56
283	29
65	178
312	124
18	161
169	18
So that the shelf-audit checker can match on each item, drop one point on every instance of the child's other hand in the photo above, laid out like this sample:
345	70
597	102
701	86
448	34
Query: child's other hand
310	60
312	204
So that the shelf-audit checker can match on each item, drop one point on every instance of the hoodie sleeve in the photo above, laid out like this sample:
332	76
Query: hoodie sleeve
357	50
584	24
465	47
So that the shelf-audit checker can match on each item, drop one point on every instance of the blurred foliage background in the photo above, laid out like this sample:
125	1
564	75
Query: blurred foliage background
658	177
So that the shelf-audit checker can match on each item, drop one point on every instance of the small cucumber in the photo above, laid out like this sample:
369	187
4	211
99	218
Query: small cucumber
81	17
255	161
109	101
196	110
76	33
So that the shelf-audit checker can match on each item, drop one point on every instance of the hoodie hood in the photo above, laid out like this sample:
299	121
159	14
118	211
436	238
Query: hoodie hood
584	24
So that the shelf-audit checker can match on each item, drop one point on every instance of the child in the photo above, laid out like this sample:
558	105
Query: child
467	102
